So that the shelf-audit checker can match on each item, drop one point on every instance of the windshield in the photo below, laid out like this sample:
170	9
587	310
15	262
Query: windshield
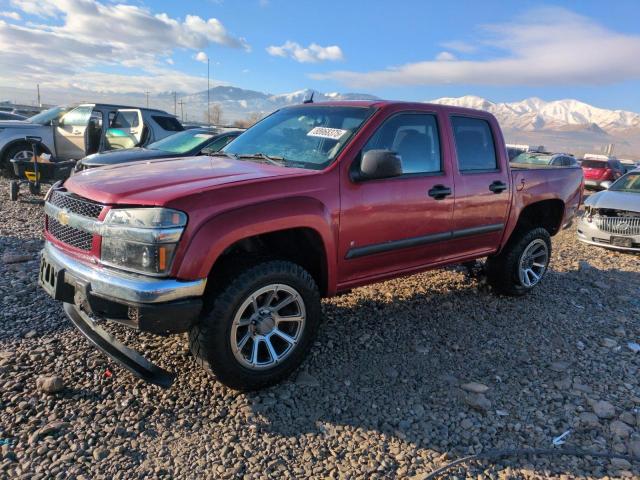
183	142
533	159
629	183
305	137
45	117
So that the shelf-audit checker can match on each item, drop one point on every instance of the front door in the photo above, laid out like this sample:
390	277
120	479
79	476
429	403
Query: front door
396	224
70	133
483	188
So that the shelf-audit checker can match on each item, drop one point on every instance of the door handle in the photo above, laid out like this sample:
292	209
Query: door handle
498	186
439	192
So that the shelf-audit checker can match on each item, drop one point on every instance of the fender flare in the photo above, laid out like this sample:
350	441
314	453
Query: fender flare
215	235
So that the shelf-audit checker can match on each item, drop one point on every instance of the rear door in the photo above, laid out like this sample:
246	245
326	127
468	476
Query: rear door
70	133
395	224
125	129
483	187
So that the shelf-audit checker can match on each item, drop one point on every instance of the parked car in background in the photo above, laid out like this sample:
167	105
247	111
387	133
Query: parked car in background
600	171
629	165
11	116
545	158
196	141
76	131
238	248
612	218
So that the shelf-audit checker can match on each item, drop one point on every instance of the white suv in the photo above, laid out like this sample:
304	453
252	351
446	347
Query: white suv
74	132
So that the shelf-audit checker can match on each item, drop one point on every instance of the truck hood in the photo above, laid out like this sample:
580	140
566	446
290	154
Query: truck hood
615	200
157	182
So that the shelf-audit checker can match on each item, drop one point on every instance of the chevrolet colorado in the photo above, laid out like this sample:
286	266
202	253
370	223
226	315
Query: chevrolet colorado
238	248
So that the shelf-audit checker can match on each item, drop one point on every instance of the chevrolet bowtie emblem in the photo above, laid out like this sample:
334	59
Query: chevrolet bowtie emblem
63	218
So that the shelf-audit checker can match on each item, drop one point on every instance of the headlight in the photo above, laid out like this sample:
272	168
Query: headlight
142	240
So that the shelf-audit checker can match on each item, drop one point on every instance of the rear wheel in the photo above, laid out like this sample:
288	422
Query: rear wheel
258	329
34	189
522	264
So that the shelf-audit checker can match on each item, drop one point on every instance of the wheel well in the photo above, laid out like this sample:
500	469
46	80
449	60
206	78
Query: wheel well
546	214
303	246
20	141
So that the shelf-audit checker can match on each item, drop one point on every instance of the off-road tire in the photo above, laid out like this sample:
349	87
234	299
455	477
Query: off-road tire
503	269
210	338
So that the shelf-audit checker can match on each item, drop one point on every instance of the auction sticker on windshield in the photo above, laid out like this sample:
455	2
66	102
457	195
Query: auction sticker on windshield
325	132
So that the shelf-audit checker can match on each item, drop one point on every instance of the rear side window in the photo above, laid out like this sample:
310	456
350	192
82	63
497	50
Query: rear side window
125	120
474	144
170	124
414	137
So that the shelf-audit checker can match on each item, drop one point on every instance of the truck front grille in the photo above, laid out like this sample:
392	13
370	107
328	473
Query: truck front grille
69	235
618	225
75	204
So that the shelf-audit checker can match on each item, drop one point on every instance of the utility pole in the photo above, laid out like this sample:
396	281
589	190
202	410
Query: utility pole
208	90
147	93
181	111
175	103
38	87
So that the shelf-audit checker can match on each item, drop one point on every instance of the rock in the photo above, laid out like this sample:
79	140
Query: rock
620	429
563	384
628	418
620	332
16	258
477	401
634	448
559	366
51	384
100	453
608	342
634	347
588	419
502	413
466	424
305	379
474	387
603	409
620	464
30	334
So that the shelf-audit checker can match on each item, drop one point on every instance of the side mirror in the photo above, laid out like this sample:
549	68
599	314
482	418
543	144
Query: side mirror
378	164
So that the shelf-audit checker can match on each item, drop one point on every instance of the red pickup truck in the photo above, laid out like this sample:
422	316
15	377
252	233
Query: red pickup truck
239	247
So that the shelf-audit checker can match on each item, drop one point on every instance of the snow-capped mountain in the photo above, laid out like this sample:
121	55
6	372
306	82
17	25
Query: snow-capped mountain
237	103
534	114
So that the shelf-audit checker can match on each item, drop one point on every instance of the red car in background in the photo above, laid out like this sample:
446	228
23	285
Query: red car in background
601	171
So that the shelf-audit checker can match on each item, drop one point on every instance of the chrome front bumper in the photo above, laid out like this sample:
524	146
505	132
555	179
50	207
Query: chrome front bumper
588	232
124	287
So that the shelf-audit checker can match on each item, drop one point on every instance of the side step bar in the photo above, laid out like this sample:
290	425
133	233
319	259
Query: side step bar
123	355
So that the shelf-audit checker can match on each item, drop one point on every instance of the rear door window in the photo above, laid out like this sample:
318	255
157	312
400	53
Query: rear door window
128	119
475	148
170	124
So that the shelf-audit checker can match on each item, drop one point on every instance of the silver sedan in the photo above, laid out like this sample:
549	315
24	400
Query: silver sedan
612	217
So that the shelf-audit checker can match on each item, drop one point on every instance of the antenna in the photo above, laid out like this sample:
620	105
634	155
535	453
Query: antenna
310	99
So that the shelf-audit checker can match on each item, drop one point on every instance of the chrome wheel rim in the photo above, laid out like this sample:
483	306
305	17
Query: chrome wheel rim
23	155
268	326
533	262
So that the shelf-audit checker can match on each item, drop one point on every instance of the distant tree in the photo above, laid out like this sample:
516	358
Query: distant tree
215	114
249	121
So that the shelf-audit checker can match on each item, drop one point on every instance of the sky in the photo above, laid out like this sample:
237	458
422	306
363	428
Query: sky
405	50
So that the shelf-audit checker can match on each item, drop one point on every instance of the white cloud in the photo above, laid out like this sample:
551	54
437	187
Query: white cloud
68	49
311	54
12	15
460	46
547	46
201	57
445	57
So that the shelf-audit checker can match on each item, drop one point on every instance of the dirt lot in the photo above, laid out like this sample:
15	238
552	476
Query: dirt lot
384	394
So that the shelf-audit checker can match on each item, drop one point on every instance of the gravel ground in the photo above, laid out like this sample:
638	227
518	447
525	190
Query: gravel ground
405	376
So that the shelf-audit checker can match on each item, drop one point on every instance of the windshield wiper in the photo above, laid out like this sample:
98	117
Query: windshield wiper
272	159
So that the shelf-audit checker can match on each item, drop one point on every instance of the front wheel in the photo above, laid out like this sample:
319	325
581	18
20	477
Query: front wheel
258	328
14	189
522	264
